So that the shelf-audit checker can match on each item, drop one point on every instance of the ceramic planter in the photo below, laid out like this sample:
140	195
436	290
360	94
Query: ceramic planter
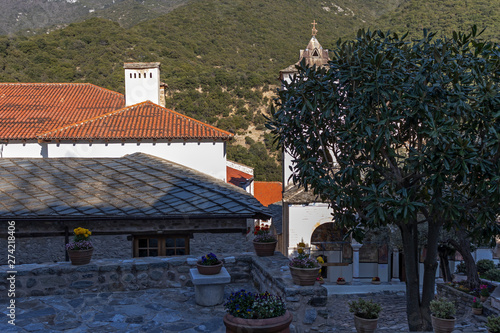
279	324
264	249
375	282
304	276
209	269
365	325
80	257
441	325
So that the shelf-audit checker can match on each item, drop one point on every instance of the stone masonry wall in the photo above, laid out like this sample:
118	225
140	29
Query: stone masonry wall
203	243
463	301
52	249
307	304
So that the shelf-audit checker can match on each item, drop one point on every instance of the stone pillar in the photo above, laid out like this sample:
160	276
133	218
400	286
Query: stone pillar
395	265
355	261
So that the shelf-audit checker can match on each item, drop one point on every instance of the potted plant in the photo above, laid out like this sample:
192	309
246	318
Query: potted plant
477	306
264	243
493	324
376	280
365	315
340	280
320	261
443	312
304	270
209	264
484	293
80	249
253	312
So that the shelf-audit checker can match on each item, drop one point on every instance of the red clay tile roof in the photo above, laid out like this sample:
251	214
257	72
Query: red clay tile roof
82	111
28	109
236	177
267	192
145	120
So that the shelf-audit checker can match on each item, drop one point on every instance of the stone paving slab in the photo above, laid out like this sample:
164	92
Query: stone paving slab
174	310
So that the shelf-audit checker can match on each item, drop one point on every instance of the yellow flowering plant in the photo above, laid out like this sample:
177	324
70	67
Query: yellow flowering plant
81	240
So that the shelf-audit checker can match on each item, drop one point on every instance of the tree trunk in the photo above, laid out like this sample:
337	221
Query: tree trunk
462	245
430	267
409	234
445	265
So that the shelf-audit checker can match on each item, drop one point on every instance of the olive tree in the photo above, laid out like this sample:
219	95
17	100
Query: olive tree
398	132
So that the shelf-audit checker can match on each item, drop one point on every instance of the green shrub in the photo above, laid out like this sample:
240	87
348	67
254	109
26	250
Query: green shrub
484	265
493	274
365	309
442	308
461	268
493	324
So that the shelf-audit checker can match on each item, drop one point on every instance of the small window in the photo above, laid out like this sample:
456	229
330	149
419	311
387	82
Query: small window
135	76
150	75
130	75
153	246
139	75
315	53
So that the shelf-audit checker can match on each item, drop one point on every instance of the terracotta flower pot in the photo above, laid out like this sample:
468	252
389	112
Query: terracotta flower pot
264	249
340	282
209	269
365	325
375	282
441	325
80	257
304	276
279	324
477	311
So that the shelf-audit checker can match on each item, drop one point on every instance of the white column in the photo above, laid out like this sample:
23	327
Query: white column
355	261
395	265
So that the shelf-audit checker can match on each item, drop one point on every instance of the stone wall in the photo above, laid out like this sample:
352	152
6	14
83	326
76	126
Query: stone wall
203	243
463	301
52	249
307	304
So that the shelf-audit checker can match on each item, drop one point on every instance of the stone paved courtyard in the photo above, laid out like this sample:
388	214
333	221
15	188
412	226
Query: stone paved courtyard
174	310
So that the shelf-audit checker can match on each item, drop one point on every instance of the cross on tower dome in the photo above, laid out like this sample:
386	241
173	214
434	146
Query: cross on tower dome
314	30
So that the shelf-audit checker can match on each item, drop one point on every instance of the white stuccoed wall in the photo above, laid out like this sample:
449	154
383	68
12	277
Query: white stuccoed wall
303	221
205	157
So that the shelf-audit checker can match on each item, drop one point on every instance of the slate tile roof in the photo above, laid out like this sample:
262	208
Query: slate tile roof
237	177
82	111
130	187
267	192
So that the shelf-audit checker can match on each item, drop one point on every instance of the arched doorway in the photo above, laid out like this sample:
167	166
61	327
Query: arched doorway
327	241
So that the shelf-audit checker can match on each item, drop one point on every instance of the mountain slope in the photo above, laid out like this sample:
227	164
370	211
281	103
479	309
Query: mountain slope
444	17
32	15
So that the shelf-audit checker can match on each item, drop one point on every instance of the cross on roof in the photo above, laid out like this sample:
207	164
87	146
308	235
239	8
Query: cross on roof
314	30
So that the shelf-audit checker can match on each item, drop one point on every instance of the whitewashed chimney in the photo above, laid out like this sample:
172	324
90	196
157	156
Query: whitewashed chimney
142	82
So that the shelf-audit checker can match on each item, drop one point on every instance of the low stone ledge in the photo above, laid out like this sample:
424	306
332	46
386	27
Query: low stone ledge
108	275
463	301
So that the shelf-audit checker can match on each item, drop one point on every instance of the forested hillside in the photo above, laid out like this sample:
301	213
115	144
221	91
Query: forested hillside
41	15
220	58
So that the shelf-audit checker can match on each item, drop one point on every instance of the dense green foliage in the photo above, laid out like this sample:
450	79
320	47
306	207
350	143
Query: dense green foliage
220	59
444	17
413	130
